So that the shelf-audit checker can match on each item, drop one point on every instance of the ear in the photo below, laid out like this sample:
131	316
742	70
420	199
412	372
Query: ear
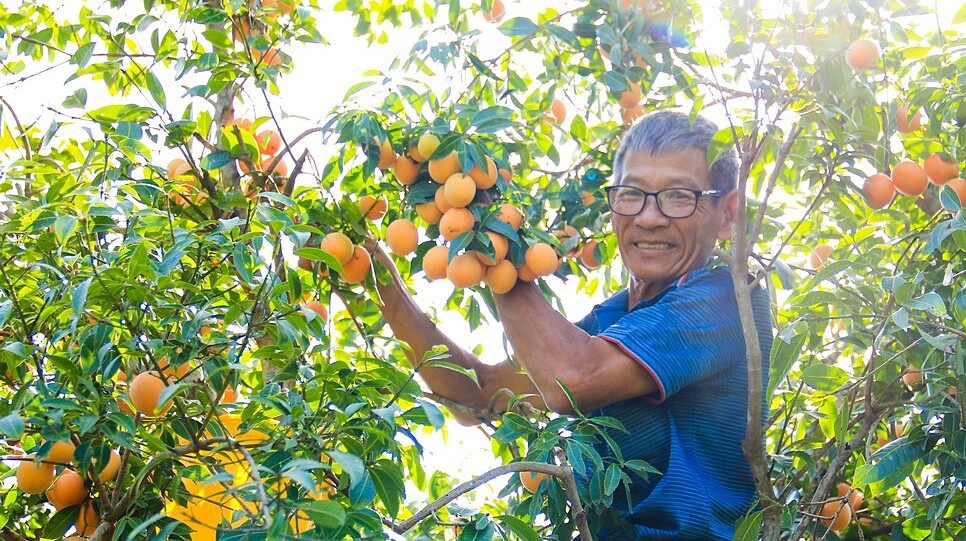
729	213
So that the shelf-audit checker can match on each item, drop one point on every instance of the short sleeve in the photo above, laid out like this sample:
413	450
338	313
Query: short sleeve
691	333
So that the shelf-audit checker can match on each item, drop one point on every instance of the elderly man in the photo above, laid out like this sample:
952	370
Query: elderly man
665	355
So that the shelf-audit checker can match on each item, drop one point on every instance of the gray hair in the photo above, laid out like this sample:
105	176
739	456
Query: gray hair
672	131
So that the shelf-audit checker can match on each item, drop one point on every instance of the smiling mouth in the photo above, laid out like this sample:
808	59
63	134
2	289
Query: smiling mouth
653	246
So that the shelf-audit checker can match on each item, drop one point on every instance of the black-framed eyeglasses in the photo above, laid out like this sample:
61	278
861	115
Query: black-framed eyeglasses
672	202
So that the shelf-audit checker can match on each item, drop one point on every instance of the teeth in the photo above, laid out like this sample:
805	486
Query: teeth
652	246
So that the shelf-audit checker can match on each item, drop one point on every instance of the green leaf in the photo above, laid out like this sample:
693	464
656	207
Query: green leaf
82	55
518	26
79	298
326	513
216	160
960	16
64	227
823	377
492	119
520	528
749	527
156	89
931	302
454	367
350	463
12	426
58	524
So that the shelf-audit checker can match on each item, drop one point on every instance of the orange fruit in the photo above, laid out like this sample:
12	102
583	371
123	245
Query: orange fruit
505	173
564	235
68	489
338	246
243	124
862	54
87	519
145	390
268	57
455	222
465	270
124	404
911	376
229	396
439	198
526	274
588	255
558	111
501	277
269	141
629	115
387	156
484	179
177	167
904	123
441	169
285	6
177	372
532	480
279	169
511	215
819	256
939	170
587	198
879	191
429	212
541	258
495	13
459	190
958	186
62	452
372	207
402	237
500	246
836	515
318	308
631	97
356	270
909	179
435	262
33	478
241	28
427	144
856	498
406	170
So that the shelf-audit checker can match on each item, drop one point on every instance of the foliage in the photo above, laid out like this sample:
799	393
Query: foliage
114	265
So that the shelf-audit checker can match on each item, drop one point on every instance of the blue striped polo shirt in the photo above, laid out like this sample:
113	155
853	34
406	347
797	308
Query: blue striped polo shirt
689	338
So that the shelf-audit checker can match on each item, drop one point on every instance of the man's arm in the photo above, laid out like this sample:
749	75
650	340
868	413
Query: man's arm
552	349
411	325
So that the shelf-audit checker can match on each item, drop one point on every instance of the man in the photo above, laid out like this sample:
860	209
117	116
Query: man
665	356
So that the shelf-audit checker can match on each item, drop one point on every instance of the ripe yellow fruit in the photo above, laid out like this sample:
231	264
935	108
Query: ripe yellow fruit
588	255
455	222
501	277
443	168
402	237
532	480
177	167
909	178
459	190
406	170
856	498
500	246
558	111
958	186
495	13
541	258
525	274
357	268
269	141
68	489
465	270
440	199
427	144
879	191
318	308
61	452
911	376
87	519
34	478
373	207
940	170
387	156
511	215
435	262
145	392
819	256
862	54
429	212
338	246
836	515
905	123
484	179
629	115
631	97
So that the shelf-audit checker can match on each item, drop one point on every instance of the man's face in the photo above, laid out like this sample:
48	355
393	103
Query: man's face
656	249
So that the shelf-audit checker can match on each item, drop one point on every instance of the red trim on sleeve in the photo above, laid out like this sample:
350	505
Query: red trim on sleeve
662	395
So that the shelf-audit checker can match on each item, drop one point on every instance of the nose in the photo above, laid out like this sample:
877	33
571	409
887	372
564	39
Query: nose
650	215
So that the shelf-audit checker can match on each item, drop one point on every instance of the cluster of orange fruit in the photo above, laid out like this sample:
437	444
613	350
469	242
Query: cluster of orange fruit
838	512
62	485
912	179
461	195
268	161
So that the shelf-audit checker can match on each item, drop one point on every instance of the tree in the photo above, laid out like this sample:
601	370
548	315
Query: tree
119	261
